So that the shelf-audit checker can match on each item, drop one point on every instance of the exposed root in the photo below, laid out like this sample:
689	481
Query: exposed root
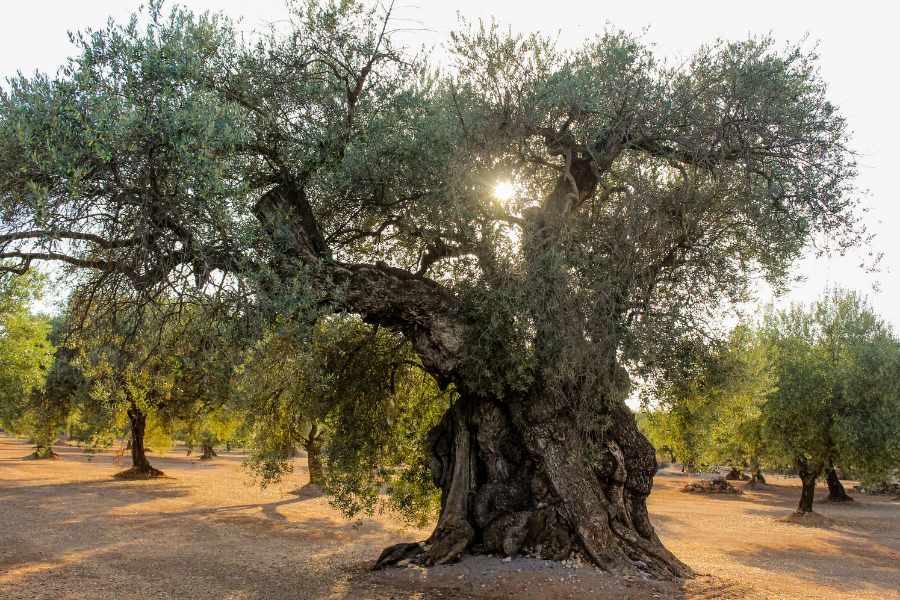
138	473
807	519
513	489
404	553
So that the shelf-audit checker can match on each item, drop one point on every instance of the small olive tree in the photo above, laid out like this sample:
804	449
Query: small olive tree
837	400
356	398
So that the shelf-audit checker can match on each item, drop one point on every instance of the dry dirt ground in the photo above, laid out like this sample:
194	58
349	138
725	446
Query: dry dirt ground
67	530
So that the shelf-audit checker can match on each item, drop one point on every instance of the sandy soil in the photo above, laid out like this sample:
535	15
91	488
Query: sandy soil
67	530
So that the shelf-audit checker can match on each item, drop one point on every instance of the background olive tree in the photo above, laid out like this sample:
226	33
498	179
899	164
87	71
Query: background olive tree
837	401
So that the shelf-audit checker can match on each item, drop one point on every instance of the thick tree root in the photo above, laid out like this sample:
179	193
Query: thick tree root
398	553
138	473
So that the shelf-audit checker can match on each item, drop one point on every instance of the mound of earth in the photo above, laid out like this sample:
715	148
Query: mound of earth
807	519
711	486
135	473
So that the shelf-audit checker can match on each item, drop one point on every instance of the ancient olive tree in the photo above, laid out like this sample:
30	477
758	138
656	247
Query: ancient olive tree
837	396
322	166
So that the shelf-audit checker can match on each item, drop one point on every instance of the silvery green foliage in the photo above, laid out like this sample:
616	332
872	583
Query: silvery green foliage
837	396
364	392
320	168
143	156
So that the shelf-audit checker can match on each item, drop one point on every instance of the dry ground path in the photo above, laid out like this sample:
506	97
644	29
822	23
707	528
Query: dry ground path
68	531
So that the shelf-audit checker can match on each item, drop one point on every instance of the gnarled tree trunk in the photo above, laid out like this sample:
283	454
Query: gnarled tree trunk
836	491
808	472
313	446
512	484
43	451
756	474
735	474
140	465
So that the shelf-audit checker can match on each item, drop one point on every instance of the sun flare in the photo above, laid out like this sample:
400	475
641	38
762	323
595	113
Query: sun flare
504	191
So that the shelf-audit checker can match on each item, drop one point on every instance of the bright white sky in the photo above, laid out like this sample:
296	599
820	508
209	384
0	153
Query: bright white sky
858	44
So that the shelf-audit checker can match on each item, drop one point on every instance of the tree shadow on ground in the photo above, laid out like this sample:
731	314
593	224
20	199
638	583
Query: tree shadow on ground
864	564
102	538
308	491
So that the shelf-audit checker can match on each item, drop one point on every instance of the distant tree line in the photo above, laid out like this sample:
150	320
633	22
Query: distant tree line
814	389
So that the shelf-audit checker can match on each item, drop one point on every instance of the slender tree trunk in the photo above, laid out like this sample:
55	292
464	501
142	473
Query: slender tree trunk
808	472
140	465
836	491
756	474
313	447
209	452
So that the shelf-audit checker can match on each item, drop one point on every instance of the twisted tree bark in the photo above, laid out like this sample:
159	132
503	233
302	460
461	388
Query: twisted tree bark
513	486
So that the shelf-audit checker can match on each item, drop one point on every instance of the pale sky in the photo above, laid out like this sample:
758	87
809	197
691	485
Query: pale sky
858	44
